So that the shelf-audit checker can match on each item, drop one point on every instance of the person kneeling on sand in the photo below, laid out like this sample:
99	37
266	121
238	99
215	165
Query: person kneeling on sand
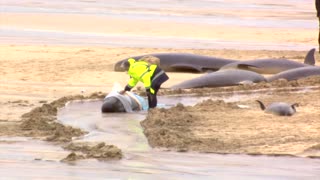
147	71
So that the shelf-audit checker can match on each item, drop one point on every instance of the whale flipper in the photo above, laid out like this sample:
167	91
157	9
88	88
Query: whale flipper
261	105
293	106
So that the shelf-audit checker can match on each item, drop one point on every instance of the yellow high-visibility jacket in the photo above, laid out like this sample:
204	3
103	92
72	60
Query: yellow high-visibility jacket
140	71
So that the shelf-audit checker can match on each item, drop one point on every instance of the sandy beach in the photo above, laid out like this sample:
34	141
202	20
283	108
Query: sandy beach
48	73
39	77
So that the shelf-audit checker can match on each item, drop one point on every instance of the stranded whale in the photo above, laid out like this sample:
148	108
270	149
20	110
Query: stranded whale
221	78
279	108
272	66
181	62
127	102
294	74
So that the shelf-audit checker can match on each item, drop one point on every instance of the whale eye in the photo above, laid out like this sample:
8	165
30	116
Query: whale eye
124	65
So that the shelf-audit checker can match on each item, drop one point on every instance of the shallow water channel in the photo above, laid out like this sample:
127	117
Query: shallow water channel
30	159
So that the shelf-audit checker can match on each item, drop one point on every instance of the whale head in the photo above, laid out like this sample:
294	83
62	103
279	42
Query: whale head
112	104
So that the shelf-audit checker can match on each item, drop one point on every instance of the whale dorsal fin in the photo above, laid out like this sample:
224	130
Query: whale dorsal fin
187	66
309	59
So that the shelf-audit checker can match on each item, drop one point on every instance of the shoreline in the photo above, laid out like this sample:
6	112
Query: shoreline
85	30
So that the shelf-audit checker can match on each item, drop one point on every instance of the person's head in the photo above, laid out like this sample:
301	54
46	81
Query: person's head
150	60
131	61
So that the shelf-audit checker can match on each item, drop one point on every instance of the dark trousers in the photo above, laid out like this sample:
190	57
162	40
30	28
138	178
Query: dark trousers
152	100
156	83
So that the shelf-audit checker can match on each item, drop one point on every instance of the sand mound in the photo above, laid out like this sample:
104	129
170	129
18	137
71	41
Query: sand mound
220	127
169	128
96	150
41	122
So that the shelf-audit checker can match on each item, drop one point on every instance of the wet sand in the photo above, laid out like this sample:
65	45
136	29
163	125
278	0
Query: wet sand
38	159
149	28
239	126
201	25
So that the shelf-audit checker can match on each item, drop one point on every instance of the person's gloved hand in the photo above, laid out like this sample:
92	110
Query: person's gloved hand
127	88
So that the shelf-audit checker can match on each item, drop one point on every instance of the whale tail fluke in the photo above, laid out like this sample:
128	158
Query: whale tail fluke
261	105
309	59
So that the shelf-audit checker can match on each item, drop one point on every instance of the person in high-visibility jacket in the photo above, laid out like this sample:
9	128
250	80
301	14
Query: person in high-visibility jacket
151	75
